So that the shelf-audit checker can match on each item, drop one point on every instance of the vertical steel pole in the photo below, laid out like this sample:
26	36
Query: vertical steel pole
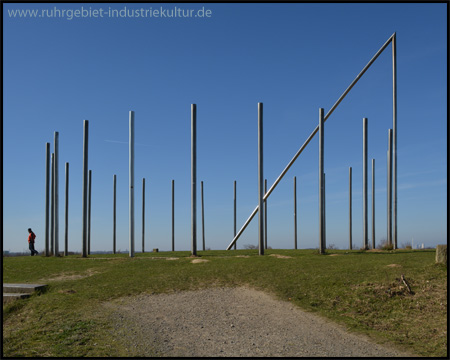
131	182
373	203
394	133
114	213
365	215
295	212
66	217
260	180
85	185
203	217
56	189
350	207
387	195
265	215
47	196
389	187
321	185
194	179
173	215
89	211
235	213
52	208
324	213
143	215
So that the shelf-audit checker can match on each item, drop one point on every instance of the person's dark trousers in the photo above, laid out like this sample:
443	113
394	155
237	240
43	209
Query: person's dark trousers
32	249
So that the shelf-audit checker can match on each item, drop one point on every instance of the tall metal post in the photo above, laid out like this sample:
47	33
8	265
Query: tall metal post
114	213
321	185
389	188
295	212
56	189
89	211
394	133
324	213
265	215
194	179
260	180
66	214
203	217
173	215
365	212
131	182
373	203
47	196
350	207
235	213
85	186
52	208
143	215
387	195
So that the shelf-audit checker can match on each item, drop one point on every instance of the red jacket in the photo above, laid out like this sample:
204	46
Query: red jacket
31	237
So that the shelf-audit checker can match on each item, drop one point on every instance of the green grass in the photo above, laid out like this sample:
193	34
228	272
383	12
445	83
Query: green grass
354	288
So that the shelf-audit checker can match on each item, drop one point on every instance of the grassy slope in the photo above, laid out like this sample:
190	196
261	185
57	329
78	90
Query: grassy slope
356	289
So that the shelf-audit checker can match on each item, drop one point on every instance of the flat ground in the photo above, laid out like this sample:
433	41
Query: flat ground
226	303
232	322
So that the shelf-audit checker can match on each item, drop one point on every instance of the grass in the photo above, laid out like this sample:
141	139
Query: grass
360	290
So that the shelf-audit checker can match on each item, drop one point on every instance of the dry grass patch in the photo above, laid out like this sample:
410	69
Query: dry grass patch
197	261
70	291
281	256
67	276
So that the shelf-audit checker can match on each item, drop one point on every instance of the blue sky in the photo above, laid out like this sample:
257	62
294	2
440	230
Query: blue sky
294	58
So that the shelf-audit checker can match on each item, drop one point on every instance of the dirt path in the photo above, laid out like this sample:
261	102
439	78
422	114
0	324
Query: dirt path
232	322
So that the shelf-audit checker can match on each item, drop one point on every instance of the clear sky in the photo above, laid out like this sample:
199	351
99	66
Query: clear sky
294	58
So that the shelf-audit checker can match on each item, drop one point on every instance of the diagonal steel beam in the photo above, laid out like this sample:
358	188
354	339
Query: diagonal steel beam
274	185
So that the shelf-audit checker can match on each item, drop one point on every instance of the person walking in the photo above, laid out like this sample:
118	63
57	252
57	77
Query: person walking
31	238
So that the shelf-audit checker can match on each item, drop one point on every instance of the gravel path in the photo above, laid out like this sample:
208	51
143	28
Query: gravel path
232	322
